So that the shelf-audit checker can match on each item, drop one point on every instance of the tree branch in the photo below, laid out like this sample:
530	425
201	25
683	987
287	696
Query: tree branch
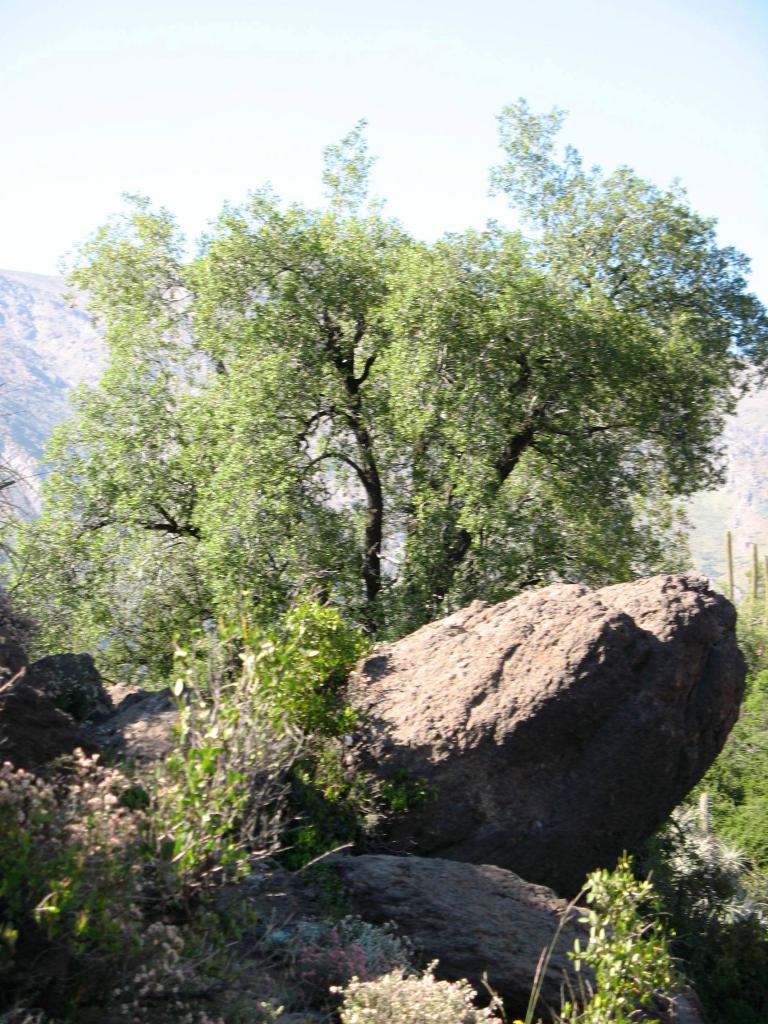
359	381
341	458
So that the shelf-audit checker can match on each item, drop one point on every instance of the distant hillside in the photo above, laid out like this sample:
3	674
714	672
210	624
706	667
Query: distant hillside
742	504
46	349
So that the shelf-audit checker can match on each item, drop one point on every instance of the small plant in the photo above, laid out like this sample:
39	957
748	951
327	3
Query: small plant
397	997
328	955
166	985
626	951
717	904
217	800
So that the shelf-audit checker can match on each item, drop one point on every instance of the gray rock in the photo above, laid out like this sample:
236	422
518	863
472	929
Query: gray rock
73	683
13	660
33	731
141	728
474	919
556	729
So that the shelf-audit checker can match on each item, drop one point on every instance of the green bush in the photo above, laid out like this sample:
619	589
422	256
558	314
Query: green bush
626	951
217	801
737	783
261	714
301	662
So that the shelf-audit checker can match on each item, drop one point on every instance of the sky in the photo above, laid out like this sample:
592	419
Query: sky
195	103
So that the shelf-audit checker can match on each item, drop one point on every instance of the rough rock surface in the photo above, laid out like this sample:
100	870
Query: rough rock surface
141	728
73	682
556	729
13	660
682	1008
32	731
474	919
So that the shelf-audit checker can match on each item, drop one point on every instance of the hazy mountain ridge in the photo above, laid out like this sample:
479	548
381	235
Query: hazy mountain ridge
741	505
47	348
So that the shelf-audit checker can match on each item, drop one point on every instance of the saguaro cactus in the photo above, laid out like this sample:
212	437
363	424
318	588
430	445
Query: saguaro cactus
729	563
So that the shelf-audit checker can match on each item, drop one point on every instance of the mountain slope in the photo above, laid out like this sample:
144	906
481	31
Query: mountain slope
741	505
46	349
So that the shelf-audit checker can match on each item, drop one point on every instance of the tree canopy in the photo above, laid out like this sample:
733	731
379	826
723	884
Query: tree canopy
319	403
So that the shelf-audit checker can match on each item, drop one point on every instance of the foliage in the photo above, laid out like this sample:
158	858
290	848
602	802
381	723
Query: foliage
263	729
412	1000
327	955
752	634
320	404
300	663
737	783
717	907
218	799
15	627
67	884
629	965
76	890
710	863
259	717
334	804
337	803
626	950
88	857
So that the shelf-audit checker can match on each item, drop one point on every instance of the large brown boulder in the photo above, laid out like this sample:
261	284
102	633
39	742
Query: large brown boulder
475	920
554	730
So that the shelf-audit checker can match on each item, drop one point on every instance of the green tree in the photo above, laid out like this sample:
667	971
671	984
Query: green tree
318	403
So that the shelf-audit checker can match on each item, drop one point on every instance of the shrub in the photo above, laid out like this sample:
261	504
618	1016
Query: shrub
68	880
218	799
244	702
737	783
301	663
164	984
716	905
626	954
626	950
412	1000
327	955
15	627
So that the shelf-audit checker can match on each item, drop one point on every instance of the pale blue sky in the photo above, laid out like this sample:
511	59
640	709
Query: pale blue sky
195	103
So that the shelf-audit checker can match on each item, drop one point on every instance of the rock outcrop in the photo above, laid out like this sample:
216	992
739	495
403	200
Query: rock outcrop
474	919
554	730
73	683
33	731
142	726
